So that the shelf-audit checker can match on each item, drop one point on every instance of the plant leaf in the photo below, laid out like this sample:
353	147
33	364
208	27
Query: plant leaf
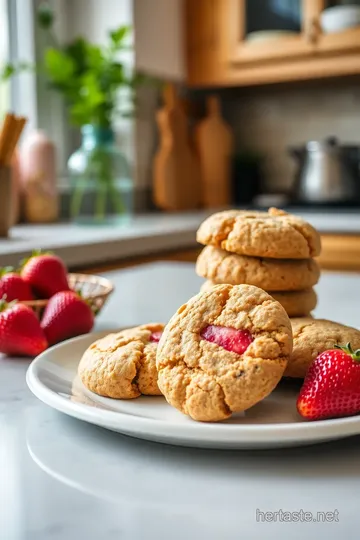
77	51
45	16
8	71
60	67
117	36
95	58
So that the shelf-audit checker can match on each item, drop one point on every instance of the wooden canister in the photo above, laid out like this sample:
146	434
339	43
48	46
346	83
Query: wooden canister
5	200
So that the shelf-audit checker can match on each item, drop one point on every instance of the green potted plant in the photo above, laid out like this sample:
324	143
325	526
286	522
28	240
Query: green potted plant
90	77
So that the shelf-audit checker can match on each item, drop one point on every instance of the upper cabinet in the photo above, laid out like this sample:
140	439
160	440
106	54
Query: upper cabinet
270	30
335	18
249	42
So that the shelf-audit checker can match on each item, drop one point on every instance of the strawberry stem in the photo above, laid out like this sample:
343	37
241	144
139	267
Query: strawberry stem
35	253
4	305
355	355
6	270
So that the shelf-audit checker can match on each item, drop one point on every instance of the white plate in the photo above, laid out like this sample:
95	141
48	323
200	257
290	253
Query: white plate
273	423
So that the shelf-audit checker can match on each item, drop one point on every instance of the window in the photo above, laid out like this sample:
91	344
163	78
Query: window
4	51
17	43
28	94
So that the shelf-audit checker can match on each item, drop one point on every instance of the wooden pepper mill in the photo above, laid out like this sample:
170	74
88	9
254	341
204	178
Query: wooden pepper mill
214	143
176	175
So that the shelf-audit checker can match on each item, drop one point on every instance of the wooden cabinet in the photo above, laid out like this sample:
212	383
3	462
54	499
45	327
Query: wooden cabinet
290	45
219	51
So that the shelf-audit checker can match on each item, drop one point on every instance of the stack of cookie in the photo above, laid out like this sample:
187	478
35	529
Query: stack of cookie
272	250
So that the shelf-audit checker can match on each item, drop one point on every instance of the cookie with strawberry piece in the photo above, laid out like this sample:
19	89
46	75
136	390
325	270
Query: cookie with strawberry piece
332	385
123	365
223	351
314	336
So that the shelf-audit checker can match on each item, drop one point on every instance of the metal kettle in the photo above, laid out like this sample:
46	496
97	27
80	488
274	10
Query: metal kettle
326	173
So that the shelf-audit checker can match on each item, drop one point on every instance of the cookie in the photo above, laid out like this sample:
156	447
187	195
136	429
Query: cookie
123	365
295	303
269	274
223	351
273	234
314	336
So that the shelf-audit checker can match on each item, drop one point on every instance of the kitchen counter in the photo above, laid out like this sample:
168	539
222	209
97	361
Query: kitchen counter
62	479
151	233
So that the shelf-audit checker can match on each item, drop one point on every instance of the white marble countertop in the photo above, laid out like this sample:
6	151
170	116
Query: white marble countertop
62	479
147	234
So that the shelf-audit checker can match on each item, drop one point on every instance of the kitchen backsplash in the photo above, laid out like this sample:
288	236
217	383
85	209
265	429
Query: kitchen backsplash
266	120
269	119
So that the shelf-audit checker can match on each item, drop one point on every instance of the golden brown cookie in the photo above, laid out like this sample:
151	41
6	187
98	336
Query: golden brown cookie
123	365
269	274
314	336
272	234
223	351
295	303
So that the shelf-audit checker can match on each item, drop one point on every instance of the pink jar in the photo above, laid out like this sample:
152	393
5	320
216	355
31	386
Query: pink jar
38	174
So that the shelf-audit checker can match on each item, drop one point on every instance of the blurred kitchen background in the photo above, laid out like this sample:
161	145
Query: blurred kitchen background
203	105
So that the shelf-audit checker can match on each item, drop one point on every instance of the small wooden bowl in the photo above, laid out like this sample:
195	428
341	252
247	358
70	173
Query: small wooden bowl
95	289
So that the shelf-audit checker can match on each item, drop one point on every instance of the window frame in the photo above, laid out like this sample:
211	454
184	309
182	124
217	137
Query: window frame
28	94
22	47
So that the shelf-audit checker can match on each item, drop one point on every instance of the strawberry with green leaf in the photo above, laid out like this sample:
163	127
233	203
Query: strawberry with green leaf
332	385
13	286
20	330
66	315
45	273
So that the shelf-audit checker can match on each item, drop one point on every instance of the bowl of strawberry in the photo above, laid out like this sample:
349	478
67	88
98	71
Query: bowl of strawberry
42	304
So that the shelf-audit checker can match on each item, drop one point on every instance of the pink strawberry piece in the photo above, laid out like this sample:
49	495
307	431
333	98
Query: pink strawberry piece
155	336
232	340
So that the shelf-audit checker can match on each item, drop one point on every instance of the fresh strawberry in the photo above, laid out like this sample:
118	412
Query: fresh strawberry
66	315
332	385
46	274
13	287
20	331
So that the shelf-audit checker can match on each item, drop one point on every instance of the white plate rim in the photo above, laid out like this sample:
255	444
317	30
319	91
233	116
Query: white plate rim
155	429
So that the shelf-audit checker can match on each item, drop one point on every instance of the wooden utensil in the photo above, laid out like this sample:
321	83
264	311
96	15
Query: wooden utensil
176	175
5	201
214	143
9	137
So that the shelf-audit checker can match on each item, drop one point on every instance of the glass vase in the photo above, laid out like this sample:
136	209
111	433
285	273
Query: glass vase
101	184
